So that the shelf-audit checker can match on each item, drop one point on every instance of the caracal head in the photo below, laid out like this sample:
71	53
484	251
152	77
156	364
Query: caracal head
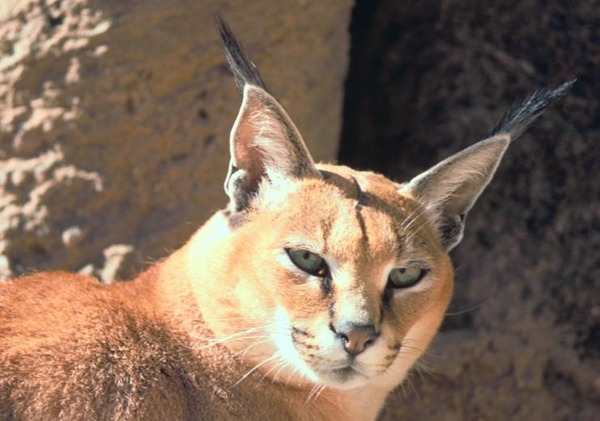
329	275
326	275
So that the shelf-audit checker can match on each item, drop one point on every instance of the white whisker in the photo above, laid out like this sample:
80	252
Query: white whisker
467	310
245	334
256	367
314	393
279	366
416	231
412	218
261	340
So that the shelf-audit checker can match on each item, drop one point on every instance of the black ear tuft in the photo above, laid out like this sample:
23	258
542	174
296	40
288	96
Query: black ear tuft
519	118
244	71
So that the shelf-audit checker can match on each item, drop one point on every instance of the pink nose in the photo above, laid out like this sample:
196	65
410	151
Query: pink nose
356	338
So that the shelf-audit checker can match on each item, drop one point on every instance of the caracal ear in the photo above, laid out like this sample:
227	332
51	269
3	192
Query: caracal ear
265	146
450	188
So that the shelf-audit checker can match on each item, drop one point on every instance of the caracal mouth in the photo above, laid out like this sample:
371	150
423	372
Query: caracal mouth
342	377
345	373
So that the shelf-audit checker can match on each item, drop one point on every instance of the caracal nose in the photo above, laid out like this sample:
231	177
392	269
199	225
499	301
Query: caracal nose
355	338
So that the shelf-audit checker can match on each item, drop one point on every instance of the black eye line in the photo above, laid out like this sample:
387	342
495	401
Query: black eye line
326	284
424	272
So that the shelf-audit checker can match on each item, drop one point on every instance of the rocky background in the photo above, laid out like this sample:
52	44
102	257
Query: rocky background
115	117
114	121
426	79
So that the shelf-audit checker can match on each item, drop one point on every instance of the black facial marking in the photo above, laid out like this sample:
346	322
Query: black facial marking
326	285
331	309
389	358
361	197
305	345
299	336
386	299
326	227
361	200
363	227
396	346
297	331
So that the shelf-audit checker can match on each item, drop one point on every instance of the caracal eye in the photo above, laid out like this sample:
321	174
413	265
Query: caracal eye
309	262
405	277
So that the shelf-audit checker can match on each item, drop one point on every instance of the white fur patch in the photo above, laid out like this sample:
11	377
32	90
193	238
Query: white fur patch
282	337
273	196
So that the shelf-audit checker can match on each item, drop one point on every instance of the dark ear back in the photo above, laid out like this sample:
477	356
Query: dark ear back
449	189
265	144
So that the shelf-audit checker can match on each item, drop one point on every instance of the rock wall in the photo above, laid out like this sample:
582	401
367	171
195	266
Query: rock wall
115	116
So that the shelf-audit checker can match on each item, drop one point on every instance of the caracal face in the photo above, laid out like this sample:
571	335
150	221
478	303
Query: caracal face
348	281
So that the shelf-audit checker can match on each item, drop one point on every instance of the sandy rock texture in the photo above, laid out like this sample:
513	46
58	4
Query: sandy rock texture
115	116
522	337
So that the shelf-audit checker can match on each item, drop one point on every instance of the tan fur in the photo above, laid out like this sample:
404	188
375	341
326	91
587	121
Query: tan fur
230	326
